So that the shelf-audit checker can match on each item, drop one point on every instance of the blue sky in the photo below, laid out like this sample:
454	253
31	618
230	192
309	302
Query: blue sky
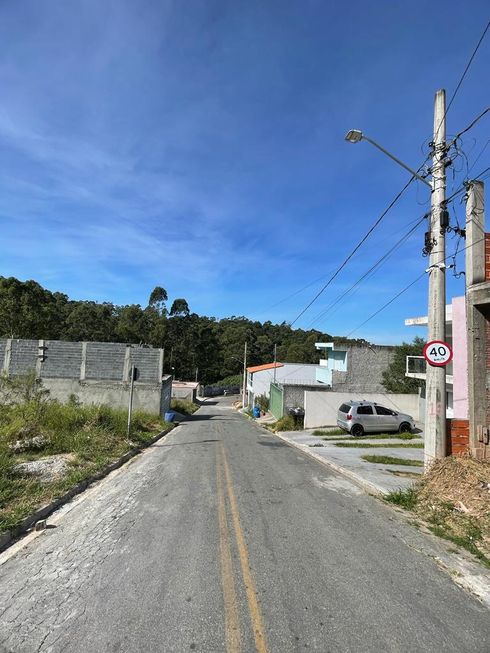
200	146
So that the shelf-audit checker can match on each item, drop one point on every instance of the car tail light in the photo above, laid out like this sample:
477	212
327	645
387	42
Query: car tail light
349	416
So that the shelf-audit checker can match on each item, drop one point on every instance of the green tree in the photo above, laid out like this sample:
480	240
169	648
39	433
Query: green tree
89	321
179	307
27	310
157	300
394	379
133	324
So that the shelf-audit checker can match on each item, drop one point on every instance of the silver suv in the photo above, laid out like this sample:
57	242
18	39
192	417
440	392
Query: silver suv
359	417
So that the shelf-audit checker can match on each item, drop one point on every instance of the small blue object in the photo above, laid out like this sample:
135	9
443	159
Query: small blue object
169	417
256	411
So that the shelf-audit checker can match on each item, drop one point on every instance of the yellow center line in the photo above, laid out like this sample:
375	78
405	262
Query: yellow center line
253	603
232	621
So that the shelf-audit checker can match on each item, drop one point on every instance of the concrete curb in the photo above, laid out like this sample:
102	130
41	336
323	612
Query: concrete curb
370	488
9	537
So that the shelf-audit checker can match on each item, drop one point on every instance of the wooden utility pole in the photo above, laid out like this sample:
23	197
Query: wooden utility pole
435	420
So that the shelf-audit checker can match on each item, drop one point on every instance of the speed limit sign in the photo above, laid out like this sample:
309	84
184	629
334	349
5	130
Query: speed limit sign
438	353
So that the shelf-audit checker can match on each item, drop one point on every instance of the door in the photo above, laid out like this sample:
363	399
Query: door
367	418
386	420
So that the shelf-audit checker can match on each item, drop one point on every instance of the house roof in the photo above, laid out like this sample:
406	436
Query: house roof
267	366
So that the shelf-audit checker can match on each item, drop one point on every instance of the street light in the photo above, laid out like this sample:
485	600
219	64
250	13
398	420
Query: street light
435	417
355	136
244	363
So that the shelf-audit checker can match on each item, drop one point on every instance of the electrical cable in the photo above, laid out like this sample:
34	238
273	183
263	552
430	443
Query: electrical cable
474	162
359	244
409	286
464	75
470	126
377	264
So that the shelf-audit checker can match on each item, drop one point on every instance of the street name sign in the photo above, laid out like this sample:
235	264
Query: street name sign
438	353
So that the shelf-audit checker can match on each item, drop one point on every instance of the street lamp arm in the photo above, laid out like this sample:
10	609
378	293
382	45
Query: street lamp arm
354	136
400	163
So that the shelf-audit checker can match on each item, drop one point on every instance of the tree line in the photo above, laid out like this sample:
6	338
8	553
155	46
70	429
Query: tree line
194	344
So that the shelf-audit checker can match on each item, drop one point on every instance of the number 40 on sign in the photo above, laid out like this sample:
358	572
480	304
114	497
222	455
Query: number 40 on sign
438	353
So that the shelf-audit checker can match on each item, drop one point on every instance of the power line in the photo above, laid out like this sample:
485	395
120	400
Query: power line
409	286
385	256
474	162
381	260
464	74
470	126
359	244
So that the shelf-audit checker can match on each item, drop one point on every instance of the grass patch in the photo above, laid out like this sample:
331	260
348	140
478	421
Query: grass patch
404	498
466	541
371	436
392	460
452	499
371	445
183	406
285	423
403	474
94	436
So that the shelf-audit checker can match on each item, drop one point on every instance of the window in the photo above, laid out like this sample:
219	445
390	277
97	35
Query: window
344	408
364	410
381	410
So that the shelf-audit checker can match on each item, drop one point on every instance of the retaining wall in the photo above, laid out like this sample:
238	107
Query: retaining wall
321	407
96	372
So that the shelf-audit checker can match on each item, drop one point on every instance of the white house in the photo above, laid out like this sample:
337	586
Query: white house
260	377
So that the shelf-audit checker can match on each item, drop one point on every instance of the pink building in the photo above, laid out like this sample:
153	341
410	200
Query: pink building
456	371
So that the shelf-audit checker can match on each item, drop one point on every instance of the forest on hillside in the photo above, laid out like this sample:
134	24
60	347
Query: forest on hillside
213	347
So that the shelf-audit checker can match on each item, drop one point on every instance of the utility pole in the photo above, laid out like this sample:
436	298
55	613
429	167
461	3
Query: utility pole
244	390
197	370
275	361
475	318
133	374
435	421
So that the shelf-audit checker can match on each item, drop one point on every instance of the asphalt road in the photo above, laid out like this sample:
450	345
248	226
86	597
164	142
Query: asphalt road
222	538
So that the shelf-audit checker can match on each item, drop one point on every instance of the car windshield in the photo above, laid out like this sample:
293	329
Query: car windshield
344	408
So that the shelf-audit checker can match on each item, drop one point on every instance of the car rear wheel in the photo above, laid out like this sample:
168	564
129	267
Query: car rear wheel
405	428
357	430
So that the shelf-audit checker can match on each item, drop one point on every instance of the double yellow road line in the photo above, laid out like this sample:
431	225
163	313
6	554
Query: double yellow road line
232	619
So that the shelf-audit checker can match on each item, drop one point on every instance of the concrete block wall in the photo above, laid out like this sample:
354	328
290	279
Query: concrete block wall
98	361
24	356
61	359
104	360
96	372
365	367
294	395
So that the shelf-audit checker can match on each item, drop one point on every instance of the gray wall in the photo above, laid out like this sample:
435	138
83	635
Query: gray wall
294	395
57	359
321	408
365	367
96	372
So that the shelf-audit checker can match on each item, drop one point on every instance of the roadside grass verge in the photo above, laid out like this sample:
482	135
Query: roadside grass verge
332	431
392	460
374	436
372	445
183	406
90	437
285	423
453	500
